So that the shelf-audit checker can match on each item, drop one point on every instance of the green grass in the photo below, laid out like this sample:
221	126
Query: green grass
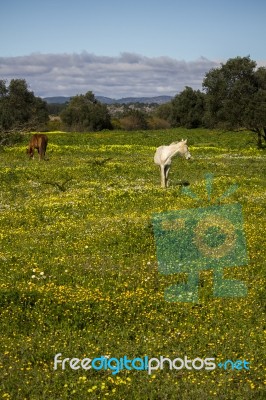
79	274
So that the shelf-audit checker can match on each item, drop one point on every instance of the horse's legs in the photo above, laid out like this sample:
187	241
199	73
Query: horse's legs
163	180
30	152
166	171
40	153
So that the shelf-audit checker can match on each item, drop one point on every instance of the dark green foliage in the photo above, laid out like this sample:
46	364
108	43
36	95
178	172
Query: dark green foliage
20	109
55	108
186	109
164	111
85	113
236	96
10	138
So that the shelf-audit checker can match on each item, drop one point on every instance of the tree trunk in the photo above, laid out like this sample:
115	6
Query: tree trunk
264	134
261	132
259	139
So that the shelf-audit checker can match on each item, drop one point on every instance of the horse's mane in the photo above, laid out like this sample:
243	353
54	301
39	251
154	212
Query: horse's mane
182	141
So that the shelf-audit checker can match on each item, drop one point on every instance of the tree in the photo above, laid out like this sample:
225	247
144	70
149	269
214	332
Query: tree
188	108
3	89
19	108
255	119
85	113
164	111
55	108
235	96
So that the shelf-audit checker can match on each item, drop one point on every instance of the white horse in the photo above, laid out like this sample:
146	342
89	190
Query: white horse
164	154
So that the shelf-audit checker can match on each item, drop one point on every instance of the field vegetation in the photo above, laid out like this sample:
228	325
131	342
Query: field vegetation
79	274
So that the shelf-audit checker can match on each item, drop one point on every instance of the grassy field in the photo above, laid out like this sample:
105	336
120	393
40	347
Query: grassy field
79	275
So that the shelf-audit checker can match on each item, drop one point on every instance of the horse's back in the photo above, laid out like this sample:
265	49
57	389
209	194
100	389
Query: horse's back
39	140
161	155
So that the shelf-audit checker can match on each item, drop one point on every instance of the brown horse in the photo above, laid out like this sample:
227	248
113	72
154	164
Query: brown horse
38	141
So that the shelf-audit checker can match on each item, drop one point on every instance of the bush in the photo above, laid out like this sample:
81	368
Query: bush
158	123
134	120
10	138
55	124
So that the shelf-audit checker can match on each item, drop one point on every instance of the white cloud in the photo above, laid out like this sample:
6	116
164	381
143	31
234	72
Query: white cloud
126	75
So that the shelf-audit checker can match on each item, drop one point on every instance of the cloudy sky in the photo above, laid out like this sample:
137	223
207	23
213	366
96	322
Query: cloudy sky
119	48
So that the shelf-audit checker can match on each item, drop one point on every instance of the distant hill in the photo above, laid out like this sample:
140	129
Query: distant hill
108	100
145	100
56	100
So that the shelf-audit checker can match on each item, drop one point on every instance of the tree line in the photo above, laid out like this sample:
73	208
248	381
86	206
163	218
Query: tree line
233	96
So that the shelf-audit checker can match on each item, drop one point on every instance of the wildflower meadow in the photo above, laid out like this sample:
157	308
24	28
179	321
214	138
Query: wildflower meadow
79	272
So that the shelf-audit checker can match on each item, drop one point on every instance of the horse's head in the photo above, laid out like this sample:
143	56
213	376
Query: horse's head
29	151
185	150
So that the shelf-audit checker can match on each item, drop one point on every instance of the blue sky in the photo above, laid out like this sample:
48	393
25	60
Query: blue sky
182	40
